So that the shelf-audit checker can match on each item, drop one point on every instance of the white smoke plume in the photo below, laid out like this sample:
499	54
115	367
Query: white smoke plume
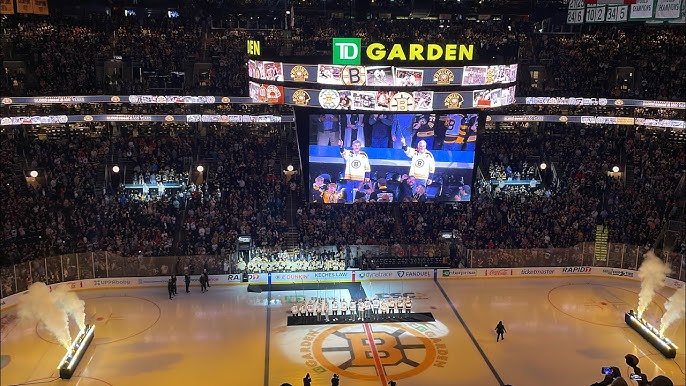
71	304
652	273
39	304
674	309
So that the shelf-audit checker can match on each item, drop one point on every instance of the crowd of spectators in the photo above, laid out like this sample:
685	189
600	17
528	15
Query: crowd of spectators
510	155
69	208
362	223
637	213
246	194
61	55
65	210
586	63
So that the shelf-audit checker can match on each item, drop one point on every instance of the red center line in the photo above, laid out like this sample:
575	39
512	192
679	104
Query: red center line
372	345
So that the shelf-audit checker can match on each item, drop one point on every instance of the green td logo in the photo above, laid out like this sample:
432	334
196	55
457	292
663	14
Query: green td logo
347	51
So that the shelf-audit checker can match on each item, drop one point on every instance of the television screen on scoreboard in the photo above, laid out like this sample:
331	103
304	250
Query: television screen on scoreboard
391	157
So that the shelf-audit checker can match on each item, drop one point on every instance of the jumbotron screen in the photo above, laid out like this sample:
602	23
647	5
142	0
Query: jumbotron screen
391	157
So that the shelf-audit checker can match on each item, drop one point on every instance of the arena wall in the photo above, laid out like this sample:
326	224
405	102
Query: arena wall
354	276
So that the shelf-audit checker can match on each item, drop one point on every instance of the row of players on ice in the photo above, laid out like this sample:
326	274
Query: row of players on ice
260	264
361	310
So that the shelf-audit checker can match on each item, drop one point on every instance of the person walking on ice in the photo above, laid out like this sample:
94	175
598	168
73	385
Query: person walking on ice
500	330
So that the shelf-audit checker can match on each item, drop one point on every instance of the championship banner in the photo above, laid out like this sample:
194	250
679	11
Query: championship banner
40	7
668	9
6	7
607	2
595	14
617	14
576	11
642	10
24	6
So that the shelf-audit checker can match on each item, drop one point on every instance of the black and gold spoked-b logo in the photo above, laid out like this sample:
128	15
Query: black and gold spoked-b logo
401	352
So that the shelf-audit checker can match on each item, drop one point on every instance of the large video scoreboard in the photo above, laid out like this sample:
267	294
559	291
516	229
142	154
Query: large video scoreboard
386	122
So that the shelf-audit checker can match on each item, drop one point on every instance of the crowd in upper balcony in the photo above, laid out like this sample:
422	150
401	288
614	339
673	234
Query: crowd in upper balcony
128	55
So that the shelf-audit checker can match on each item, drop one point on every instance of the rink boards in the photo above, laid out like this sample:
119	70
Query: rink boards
352	276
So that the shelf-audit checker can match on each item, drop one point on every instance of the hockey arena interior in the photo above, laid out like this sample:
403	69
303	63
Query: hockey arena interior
353	192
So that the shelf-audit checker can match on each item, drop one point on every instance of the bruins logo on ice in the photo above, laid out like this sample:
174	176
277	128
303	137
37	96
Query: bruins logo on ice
402	352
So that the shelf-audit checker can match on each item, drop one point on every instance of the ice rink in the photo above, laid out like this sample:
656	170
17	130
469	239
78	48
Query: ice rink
560	331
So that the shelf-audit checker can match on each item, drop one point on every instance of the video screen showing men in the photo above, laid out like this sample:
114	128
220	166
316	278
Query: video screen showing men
392	157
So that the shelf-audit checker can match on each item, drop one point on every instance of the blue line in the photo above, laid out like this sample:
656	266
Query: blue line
266	349
476	344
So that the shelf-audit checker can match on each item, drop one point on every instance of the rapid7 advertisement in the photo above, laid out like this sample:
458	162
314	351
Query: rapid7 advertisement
384	157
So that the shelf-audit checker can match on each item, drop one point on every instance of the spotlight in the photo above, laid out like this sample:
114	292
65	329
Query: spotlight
33	174
543	166
73	356
615	169
651	334
115	169
200	168
289	168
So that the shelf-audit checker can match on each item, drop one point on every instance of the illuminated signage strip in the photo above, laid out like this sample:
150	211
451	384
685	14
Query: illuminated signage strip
219	118
666	123
382	76
133	99
577	101
391	100
652	122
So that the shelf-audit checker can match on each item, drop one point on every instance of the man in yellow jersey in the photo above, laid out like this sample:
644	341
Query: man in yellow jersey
422	166
357	168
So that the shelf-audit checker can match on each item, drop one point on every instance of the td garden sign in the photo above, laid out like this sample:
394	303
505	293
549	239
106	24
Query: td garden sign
349	51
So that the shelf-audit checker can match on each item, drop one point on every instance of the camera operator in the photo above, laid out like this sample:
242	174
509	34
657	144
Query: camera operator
612	379
660	380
